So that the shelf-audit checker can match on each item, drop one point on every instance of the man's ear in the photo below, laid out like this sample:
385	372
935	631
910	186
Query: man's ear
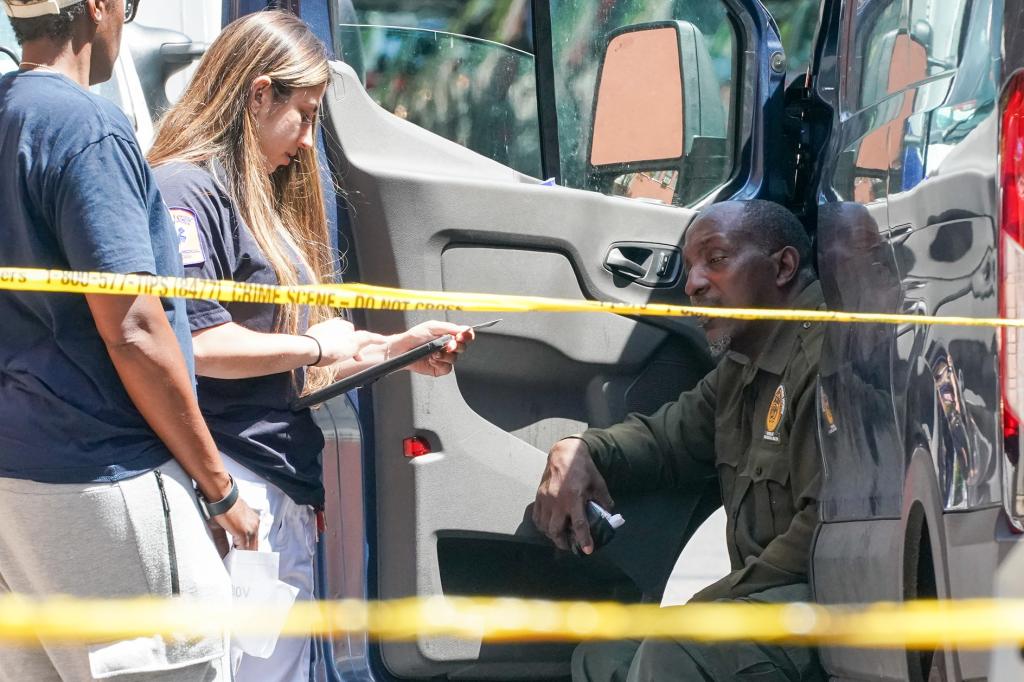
98	9
259	92
788	260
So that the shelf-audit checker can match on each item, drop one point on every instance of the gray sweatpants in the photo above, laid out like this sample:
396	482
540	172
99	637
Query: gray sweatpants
102	540
655	660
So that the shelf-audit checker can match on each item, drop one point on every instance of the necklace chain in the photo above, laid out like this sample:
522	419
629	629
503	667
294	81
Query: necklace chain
39	66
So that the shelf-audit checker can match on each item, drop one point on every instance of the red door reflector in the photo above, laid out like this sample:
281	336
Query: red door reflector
415	446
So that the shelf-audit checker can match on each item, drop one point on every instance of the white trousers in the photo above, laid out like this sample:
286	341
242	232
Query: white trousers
110	540
290	530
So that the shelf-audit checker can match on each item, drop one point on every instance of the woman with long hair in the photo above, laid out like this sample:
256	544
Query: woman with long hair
237	166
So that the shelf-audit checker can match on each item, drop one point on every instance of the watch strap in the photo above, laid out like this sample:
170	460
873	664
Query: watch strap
221	506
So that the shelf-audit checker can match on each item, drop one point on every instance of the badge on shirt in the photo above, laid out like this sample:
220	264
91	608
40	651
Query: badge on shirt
186	224
775	412
826	413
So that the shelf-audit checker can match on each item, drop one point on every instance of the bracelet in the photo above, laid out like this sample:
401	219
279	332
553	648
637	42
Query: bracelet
211	509
319	350
575	436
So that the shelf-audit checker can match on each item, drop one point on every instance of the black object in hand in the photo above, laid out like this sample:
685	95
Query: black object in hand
602	527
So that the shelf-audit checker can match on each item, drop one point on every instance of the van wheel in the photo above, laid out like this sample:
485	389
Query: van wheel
919	583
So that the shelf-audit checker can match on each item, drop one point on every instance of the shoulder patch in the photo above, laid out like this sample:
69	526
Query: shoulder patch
186	225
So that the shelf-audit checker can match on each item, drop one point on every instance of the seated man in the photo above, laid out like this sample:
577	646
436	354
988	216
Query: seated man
751	422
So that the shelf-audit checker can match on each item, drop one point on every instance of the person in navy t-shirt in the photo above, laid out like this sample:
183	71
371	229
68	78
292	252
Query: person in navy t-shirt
100	430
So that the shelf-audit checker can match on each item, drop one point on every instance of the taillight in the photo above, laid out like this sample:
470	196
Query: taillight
1011	259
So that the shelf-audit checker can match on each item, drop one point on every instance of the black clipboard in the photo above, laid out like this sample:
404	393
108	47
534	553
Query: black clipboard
371	374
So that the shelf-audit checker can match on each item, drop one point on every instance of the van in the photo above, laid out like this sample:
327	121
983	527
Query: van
892	128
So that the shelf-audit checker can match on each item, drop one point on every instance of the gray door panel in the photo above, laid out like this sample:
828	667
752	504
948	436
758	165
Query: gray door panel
428	214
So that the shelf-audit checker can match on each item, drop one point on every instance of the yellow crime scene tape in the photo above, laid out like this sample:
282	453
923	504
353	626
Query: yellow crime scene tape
978	624
384	298
924	624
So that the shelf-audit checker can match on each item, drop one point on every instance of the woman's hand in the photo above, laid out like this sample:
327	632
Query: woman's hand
438	363
339	341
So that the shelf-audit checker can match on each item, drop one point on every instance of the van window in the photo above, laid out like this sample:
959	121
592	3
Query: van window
7	63
466	71
798	22
462	70
10	44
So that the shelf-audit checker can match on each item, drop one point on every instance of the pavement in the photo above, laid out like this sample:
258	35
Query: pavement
703	561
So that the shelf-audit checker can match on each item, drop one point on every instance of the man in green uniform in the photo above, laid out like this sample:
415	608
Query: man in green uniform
750	422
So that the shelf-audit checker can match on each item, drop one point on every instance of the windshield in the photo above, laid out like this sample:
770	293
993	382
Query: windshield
9	50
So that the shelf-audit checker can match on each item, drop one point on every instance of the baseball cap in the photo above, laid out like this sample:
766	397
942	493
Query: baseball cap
30	9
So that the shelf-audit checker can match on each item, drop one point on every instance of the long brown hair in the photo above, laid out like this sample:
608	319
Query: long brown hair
213	122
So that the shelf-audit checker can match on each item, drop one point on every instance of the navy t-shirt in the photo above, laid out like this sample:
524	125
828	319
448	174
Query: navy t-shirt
75	194
249	418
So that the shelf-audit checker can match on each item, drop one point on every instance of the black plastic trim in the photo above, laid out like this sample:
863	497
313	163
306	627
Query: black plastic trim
547	113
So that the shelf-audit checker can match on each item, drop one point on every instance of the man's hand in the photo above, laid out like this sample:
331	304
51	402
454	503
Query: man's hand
569	481
242	524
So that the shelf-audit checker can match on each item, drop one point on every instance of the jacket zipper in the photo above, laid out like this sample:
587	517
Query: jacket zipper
172	554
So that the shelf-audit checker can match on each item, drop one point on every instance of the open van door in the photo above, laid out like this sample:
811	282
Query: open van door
641	115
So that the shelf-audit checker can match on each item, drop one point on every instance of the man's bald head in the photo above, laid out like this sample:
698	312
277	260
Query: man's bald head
769	225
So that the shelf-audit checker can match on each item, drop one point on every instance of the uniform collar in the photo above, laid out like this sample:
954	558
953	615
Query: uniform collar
778	349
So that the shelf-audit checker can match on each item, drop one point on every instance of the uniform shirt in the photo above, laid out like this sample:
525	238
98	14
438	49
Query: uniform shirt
753	424
75	194
249	418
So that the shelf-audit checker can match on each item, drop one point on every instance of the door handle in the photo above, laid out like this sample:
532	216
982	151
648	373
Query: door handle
632	268
644	263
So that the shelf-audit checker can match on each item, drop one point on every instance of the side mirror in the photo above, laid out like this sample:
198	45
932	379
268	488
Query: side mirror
159	54
659	124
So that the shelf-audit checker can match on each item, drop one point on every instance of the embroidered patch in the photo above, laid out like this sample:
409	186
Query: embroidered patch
826	413
775	412
186	225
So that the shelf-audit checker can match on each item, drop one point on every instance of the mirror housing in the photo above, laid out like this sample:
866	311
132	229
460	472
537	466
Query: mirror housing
658	114
159	54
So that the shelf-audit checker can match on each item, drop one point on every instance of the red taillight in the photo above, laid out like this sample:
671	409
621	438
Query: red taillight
1011	258
415	446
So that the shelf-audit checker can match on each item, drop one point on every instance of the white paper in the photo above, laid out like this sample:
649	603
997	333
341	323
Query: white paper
254	581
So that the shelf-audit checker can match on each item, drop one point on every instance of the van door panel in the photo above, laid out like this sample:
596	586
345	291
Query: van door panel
428	214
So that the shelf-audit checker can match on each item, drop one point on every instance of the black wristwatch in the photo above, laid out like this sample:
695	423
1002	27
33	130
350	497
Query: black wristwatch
211	509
